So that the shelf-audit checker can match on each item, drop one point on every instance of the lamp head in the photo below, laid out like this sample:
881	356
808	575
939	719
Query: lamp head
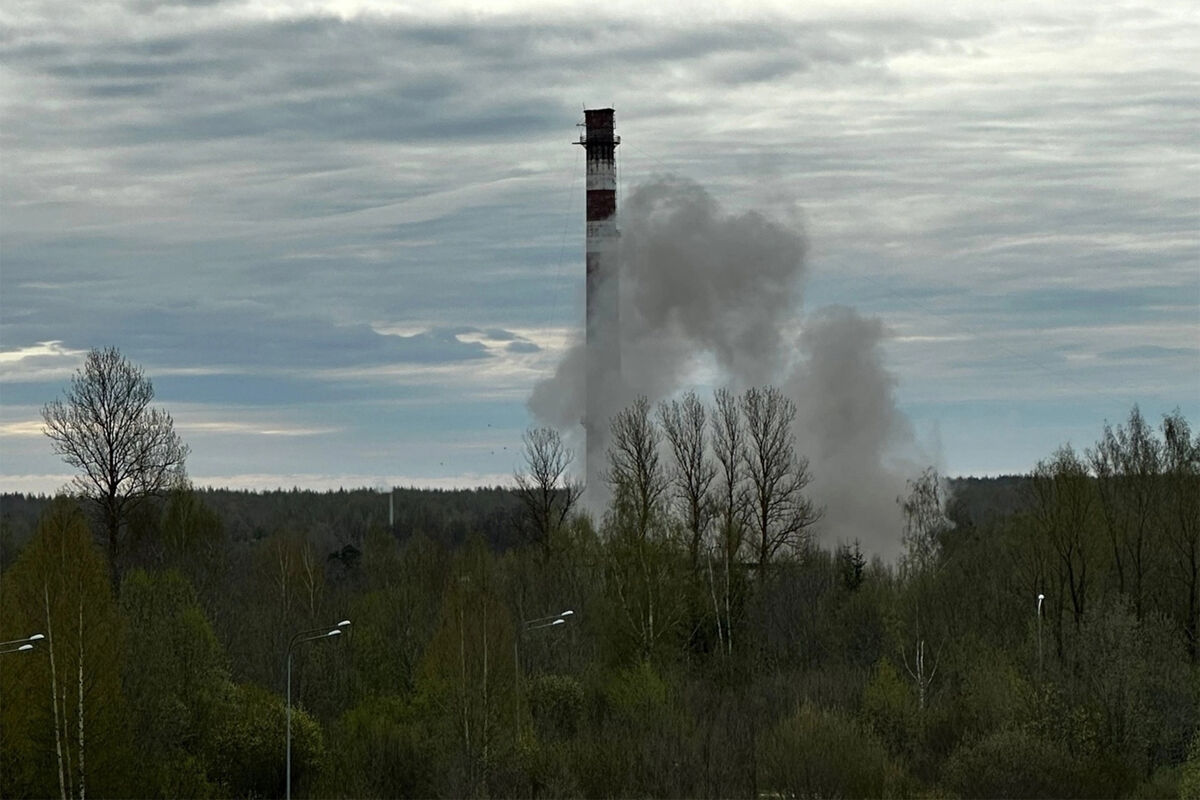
335	632
24	647
36	637
567	613
344	623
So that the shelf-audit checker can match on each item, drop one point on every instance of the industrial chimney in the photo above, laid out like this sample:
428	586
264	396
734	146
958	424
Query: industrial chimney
603	318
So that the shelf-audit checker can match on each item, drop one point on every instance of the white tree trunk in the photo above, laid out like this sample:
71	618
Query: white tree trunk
712	590
62	783
82	779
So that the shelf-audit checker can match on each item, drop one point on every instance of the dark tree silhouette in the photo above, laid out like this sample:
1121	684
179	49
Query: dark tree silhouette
546	489
125	450
692	474
780	513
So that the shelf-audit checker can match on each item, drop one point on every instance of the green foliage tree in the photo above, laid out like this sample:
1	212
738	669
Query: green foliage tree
1015	763
852	565
395	617
468	673
815	753
386	748
890	709
177	683
248	753
1189	780
641	742
1134	675
63	722
283	579
193	541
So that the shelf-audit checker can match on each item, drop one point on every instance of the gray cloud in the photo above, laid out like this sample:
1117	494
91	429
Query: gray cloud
322	77
1149	351
189	334
989	184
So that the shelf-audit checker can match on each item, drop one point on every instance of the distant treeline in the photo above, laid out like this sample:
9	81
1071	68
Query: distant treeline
449	517
331	518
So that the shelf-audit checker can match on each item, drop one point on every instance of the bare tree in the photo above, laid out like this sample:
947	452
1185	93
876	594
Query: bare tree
1128	465
925	522
1062	504
636	475
1181	516
126	450
684	423
780	513
546	488
729	448
642	565
921	673
732	499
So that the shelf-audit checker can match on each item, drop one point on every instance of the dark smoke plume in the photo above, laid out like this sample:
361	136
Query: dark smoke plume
703	290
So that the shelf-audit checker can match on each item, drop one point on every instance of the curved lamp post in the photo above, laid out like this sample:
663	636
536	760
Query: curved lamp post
21	645
1041	599
526	626
310	635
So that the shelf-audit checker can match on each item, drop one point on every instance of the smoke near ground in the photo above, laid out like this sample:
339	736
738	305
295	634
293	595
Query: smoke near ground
702	289
860	447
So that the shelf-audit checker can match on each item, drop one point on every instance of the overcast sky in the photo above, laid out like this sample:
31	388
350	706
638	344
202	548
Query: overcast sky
345	239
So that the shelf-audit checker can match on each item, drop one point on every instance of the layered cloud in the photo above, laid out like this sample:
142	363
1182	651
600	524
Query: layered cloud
338	209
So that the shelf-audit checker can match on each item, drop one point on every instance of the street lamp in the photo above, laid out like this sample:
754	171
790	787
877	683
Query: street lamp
1041	598
20	645
526	626
310	635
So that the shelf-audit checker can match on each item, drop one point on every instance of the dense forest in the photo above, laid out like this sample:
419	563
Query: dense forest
1037	638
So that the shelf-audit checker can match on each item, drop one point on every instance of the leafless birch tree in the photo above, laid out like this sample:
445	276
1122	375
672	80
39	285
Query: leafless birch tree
685	422
636	474
780	513
1127	463
546	489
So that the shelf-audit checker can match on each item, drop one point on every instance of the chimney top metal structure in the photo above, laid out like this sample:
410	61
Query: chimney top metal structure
603	315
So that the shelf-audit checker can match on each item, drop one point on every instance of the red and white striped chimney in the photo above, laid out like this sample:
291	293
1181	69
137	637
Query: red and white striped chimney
603	317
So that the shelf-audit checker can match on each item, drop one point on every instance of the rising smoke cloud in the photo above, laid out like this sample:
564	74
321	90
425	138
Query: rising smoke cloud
704	289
